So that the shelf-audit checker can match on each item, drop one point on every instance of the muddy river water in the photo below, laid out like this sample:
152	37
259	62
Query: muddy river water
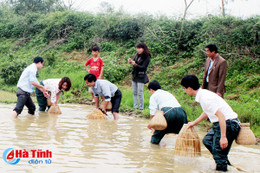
80	145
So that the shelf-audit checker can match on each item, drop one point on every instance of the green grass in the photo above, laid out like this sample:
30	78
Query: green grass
7	97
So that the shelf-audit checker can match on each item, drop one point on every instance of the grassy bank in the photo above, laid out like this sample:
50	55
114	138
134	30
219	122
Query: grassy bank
243	99
7	97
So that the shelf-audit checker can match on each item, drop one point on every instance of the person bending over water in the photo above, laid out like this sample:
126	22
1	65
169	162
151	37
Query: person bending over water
225	122
55	87
173	112
106	89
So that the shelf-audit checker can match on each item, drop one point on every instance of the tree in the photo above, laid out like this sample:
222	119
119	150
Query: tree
68	4
183	18
223	8
23	7
223	3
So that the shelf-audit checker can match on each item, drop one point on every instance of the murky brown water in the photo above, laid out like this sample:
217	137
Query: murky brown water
81	145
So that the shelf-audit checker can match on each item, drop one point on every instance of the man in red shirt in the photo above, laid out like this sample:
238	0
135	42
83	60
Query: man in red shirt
96	66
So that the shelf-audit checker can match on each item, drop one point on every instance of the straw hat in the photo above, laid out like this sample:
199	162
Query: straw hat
54	110
245	136
158	122
96	114
109	106
187	142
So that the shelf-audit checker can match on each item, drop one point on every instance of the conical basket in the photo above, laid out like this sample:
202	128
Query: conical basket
187	142
158	122
96	114
109	106
245	136
54	110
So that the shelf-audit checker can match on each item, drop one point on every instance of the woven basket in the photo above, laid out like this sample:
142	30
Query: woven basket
158	122
54	110
187	142
245	136
96	114
109	106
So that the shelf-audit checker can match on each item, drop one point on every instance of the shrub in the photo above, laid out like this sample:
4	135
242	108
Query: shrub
125	29
12	72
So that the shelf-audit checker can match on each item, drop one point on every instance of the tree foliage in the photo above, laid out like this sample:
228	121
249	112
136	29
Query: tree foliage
23	7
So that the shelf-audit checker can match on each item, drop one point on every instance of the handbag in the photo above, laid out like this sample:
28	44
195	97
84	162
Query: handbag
146	79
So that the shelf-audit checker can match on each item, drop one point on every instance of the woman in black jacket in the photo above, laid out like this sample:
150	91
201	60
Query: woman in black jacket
139	77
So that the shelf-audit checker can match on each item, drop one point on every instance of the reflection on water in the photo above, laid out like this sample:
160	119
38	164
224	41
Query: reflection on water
81	145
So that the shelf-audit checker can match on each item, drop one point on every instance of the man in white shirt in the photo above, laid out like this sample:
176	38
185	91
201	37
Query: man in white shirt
106	89
225	123
173	112
26	83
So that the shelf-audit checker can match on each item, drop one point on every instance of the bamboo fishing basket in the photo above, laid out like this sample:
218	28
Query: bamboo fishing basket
245	136
109	106
96	114
158	122
54	110
187	142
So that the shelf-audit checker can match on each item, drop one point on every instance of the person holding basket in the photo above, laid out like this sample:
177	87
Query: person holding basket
173	112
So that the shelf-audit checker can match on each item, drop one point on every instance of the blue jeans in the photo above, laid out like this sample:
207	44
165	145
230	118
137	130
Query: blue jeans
138	93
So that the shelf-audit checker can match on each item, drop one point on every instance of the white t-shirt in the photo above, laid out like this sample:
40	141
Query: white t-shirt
210	102
160	99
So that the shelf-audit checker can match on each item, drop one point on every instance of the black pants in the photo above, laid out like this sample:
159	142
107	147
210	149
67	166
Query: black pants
175	119
116	100
212	142
24	98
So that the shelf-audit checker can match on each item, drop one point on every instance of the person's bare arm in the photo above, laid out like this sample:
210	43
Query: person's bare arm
202	117
101	72
222	124
43	89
